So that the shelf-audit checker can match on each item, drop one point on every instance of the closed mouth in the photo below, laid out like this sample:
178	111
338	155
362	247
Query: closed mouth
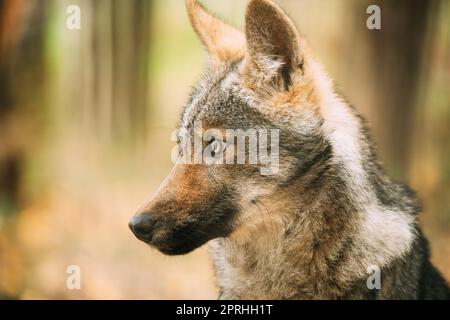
145	238
176	250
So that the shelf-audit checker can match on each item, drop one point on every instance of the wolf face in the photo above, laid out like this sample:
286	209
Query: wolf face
260	81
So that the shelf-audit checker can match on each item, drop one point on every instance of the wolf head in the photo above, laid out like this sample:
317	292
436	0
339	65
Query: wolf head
264	80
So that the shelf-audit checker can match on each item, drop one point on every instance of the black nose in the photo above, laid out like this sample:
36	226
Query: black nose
142	226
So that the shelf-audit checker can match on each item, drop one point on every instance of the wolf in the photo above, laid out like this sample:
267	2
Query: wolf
329	215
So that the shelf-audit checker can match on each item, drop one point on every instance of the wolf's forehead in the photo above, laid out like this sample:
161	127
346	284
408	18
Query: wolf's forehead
208	94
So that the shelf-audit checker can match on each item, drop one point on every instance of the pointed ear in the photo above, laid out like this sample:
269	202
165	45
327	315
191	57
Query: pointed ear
274	47
224	42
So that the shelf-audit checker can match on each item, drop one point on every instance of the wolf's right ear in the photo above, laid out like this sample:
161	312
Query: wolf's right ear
275	52
224	42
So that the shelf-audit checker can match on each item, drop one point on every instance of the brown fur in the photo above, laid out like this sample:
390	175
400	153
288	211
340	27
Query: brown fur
185	187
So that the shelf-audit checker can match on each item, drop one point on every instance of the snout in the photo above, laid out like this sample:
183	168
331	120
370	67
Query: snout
185	213
143	226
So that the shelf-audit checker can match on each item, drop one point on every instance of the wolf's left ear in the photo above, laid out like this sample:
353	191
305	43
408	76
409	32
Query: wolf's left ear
224	42
274	47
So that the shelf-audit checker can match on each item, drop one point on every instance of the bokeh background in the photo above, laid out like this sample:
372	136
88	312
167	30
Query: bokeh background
86	117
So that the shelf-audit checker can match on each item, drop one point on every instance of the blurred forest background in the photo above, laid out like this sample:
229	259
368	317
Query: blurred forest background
86	117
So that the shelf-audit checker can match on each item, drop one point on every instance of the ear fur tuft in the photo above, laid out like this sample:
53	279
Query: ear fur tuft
274	47
223	42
